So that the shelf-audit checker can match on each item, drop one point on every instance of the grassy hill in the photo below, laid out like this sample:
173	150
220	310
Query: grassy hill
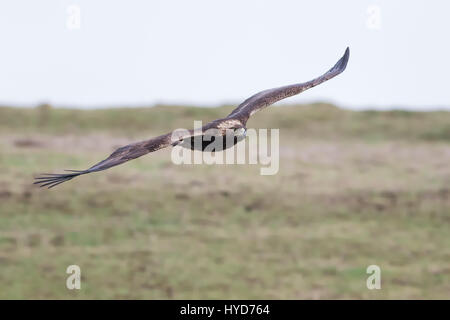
353	189
315	120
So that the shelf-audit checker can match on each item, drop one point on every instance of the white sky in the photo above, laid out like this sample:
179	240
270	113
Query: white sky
207	52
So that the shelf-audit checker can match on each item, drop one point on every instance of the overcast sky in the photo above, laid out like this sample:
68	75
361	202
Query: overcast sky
206	52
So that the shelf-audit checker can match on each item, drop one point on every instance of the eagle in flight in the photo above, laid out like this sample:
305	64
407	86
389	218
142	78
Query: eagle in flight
234	123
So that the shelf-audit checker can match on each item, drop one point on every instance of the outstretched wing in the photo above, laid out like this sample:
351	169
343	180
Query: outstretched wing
270	96
121	155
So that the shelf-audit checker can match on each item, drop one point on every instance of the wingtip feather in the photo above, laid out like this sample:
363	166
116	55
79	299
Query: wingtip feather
342	63
51	180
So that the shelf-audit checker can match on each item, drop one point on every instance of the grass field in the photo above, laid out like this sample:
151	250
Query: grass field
353	189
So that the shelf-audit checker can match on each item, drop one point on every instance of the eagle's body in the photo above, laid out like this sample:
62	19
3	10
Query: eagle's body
232	127
215	142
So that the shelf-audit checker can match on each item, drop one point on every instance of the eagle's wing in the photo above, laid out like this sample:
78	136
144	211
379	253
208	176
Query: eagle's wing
121	155
270	96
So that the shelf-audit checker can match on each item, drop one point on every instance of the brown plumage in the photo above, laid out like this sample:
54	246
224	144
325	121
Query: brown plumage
237	119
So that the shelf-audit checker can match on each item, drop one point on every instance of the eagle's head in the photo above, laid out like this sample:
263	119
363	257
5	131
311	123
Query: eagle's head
240	132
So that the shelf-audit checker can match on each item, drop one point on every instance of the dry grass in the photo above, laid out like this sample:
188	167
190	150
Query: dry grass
344	198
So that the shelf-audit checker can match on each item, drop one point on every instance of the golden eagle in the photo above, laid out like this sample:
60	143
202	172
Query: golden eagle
235	123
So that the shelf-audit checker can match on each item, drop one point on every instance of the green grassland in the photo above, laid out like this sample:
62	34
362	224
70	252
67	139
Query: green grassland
353	189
